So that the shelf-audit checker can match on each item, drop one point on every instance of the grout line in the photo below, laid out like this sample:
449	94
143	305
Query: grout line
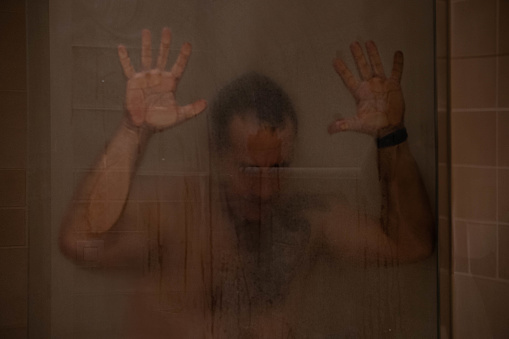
494	167
500	280
490	109
479	56
476	221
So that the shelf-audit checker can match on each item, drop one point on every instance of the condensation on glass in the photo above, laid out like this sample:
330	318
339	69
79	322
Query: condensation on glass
249	219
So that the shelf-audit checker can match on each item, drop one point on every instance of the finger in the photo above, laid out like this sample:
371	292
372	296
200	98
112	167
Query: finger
343	125
397	67
125	62
146	50
362	65
348	78
374	58
164	48
180	65
191	110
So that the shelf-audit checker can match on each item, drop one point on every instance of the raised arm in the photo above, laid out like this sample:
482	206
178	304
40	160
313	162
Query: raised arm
405	229
151	106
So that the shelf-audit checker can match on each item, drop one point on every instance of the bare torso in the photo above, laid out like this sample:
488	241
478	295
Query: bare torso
216	278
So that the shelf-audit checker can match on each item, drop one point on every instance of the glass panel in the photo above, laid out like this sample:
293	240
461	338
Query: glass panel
265	211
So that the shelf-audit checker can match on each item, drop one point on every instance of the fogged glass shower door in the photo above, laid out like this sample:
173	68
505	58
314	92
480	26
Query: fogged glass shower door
258	182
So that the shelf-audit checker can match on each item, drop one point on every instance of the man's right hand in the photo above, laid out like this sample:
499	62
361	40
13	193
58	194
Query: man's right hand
150	93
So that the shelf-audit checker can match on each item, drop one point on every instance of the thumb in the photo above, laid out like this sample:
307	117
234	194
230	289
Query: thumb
343	125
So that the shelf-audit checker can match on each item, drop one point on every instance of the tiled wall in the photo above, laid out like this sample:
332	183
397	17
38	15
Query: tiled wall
480	166
13	150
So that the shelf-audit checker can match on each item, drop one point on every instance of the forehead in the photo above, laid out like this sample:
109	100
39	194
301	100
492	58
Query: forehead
259	144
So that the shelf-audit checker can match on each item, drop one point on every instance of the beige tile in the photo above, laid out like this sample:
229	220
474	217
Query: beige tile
13	51
495	297
473	138
13	130
473	83
503	251
480	308
503	82
503	195
474	193
503	28
12	188
469	315
13	287
12	227
443	191
482	245
503	139
460	250
473	27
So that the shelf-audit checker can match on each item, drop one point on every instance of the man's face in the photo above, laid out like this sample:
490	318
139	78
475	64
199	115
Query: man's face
251	165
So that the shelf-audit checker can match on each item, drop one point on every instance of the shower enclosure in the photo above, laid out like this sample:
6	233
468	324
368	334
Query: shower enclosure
77	103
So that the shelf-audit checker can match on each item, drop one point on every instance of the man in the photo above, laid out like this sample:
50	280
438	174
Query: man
246	250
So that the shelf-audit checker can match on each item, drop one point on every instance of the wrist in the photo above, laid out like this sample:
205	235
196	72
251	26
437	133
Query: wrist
392	137
138	130
384	131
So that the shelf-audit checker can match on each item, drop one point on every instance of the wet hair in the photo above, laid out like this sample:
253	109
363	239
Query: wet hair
252	93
